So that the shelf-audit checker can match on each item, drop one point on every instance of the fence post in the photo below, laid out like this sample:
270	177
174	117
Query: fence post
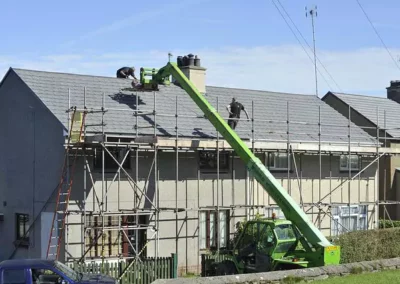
174	265
203	265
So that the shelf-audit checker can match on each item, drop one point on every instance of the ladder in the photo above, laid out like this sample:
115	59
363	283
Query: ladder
65	186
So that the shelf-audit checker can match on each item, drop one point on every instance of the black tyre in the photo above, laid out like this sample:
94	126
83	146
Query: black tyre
226	267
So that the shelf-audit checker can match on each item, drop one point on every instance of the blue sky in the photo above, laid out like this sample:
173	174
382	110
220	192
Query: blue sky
244	44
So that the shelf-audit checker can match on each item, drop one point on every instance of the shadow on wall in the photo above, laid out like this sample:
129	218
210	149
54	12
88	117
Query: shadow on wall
130	101
94	189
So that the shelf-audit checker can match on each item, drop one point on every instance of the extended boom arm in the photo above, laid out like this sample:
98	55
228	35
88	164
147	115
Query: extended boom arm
292	211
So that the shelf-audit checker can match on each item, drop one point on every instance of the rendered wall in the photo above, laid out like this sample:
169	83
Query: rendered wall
198	190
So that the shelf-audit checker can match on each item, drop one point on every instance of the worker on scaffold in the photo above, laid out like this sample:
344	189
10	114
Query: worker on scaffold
234	109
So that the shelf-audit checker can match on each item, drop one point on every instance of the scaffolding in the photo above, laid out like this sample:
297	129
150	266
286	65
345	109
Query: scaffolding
135	144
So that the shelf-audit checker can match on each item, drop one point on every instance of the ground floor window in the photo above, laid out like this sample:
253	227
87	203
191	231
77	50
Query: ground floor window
209	235
22	234
347	219
120	236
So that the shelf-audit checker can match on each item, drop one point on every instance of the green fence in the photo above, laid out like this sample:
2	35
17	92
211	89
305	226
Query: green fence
142	271
209	262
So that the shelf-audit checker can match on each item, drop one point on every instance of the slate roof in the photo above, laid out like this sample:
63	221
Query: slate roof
369	106
52	89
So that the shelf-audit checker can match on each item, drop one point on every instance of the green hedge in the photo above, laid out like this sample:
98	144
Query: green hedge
388	224
369	245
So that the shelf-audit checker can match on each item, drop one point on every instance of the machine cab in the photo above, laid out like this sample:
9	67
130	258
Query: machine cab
264	241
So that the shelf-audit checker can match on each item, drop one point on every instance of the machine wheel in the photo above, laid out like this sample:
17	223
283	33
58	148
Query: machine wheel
226	267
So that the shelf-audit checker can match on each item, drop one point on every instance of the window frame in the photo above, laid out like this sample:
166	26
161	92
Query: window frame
225	159
346	168
19	239
272	157
338	214
216	238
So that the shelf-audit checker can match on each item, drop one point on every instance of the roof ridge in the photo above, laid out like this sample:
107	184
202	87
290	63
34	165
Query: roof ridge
62	73
109	77
259	90
359	95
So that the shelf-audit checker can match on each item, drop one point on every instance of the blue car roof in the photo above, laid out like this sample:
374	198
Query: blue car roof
15	263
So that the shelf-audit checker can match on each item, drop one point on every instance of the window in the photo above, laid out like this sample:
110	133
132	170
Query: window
109	164
22	235
14	276
277	161
134	240
208	161
94	238
354	162
345	220
116	241
50	277
208	229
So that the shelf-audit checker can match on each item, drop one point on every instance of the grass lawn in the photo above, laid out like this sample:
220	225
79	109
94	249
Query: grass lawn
389	276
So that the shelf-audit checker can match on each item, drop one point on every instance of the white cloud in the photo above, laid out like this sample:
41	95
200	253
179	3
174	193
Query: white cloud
284	68
134	21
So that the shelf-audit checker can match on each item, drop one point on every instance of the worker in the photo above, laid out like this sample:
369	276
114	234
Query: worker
125	72
234	109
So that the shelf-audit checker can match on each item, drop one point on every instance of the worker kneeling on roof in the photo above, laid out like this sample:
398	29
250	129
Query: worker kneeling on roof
125	72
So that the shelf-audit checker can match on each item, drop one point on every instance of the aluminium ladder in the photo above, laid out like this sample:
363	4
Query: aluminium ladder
64	189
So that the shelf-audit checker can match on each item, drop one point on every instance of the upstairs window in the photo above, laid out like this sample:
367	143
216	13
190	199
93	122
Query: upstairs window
109	163
208	161
353	163
277	161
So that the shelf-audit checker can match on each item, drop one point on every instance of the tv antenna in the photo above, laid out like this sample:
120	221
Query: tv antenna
312	12
169	56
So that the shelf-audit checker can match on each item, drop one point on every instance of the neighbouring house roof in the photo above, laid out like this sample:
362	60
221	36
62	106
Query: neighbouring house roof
380	111
52	89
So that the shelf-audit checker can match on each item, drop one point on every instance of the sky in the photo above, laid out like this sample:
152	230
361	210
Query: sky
243	44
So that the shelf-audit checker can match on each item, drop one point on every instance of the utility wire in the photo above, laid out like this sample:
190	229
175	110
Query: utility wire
290	18
283	17
373	27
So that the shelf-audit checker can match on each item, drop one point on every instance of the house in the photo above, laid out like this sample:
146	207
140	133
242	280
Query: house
379	117
173	193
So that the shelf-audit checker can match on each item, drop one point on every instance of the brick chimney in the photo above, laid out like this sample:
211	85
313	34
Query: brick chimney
190	66
393	92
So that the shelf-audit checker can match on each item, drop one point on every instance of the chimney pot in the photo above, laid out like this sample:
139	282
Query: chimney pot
197	61
179	60
393	91
190	66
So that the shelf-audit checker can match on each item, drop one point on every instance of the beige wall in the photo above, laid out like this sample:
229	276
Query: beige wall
198	190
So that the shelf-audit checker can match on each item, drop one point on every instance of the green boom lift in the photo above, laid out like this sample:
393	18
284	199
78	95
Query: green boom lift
267	244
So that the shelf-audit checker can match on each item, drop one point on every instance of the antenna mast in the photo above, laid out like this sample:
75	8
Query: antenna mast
313	13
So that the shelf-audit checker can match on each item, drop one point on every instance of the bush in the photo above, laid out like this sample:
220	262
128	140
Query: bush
369	245
388	224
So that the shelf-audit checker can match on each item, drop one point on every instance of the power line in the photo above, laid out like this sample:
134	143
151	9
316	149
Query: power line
319	61
376	32
283	17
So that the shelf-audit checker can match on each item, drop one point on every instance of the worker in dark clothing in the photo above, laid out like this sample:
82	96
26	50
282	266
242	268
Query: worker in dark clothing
125	72
234	109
